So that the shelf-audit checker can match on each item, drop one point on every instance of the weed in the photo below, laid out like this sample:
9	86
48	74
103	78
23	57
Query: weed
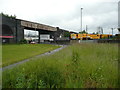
75	58
77	66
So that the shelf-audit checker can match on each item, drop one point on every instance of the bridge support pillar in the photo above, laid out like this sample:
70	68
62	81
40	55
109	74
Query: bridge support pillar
39	36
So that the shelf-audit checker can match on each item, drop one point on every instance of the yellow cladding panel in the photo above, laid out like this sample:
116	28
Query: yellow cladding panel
80	35
95	36
104	35
92	36
84	34
73	36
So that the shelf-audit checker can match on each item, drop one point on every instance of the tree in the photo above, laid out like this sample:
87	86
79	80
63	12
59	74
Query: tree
83	32
97	33
67	34
99	30
10	16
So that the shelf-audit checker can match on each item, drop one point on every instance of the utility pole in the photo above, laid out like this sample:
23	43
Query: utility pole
101	30
86	32
81	19
86	28
112	31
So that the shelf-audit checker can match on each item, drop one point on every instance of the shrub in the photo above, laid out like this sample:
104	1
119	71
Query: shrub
23	41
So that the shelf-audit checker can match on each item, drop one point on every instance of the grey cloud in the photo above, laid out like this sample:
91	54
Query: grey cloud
103	14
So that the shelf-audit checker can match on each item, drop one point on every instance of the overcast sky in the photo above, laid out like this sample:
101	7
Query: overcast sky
66	13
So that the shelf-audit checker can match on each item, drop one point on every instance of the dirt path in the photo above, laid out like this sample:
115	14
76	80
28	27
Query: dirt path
38	56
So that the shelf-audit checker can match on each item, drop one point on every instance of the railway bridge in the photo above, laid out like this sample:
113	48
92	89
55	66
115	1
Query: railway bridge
13	29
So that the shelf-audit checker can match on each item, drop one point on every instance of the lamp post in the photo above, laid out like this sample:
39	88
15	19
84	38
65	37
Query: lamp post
81	19
86	32
112	31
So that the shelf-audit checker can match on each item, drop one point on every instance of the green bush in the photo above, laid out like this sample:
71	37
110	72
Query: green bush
23	41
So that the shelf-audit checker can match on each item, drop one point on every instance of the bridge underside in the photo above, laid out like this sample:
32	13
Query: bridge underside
41	32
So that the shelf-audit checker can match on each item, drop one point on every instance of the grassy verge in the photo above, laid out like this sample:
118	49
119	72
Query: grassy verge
16	53
77	66
0	55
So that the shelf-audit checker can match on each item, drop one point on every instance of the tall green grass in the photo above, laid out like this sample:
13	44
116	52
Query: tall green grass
77	66
0	55
18	52
0	66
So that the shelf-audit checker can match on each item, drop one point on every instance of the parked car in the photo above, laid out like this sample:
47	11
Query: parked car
33	42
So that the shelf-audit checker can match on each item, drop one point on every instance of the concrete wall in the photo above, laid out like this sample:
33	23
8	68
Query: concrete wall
20	31
15	26
37	26
9	22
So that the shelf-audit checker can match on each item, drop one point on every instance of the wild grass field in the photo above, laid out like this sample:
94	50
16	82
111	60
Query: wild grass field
0	55
18	52
76	66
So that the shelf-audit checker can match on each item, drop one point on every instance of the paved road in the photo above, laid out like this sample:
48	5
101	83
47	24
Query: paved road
38	56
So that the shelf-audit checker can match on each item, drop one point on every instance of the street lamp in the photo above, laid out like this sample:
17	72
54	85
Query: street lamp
112	30
81	19
86	32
